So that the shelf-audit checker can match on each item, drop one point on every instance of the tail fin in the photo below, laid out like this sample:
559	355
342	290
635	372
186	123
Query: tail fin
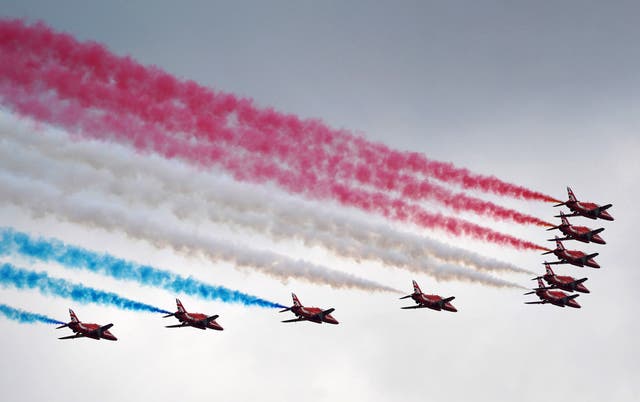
548	268
559	244
296	302
416	288
572	196
564	219
74	317
540	284
180	306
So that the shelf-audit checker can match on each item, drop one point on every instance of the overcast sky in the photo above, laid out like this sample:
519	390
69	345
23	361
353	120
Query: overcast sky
544	94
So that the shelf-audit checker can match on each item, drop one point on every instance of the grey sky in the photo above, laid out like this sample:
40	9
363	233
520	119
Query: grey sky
541	93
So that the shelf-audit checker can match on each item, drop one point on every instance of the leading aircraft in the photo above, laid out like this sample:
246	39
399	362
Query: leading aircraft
86	330
586	209
313	314
434	302
554	297
573	257
580	233
196	320
568	283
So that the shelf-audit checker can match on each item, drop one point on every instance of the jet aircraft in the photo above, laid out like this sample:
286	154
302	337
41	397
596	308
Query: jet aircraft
586	209
313	314
580	233
567	283
433	302
196	320
554	297
573	257
86	330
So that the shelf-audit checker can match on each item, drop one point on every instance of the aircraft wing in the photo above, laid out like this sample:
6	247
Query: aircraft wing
324	313
536	302
569	297
410	307
567	216
177	325
209	319
597	210
73	336
541	288
558	262
296	319
561	238
103	328
579	281
595	231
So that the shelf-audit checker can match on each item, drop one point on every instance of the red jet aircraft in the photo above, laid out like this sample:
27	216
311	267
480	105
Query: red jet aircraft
313	314
196	320
434	302
580	233
85	330
586	209
573	257
567	283
554	297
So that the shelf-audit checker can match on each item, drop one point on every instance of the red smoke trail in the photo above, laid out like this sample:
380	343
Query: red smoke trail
90	88
144	137
303	144
412	189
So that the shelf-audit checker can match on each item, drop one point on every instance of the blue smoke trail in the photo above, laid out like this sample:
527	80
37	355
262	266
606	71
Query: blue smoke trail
22	316
11	275
12	241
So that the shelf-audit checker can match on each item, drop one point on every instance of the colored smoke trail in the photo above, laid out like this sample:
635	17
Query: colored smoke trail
224	201
25	317
42	199
206	111
121	86
19	278
72	115
12	242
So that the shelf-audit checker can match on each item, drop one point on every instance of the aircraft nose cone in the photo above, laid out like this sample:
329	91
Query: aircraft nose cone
331	320
593	264
598	239
574	304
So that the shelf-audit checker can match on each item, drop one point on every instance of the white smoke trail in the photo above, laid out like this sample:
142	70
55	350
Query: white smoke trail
235	204
43	199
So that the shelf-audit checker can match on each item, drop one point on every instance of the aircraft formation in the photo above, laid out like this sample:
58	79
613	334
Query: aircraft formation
554	291
551	293
202	321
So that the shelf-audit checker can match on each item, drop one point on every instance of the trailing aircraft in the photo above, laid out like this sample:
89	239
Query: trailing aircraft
554	297
573	257
568	283
196	320
87	330
313	314
434	302
580	233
